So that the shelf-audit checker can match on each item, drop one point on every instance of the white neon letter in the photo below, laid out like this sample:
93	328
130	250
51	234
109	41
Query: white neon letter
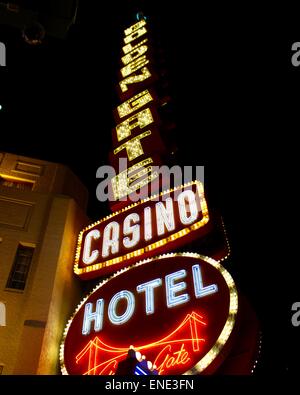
97	317
149	293
112	307
165	216
133	230
172	289
147	224
188	210
201	291
110	239
89	256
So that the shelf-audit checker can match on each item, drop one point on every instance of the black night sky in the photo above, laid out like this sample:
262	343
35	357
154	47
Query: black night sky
235	107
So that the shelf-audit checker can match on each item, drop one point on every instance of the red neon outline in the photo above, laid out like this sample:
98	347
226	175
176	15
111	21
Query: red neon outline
96	345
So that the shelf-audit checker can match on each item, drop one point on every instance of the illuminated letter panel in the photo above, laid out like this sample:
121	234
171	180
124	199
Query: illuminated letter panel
121	245
156	306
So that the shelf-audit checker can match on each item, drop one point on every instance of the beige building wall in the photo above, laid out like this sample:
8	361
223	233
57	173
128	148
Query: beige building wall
47	214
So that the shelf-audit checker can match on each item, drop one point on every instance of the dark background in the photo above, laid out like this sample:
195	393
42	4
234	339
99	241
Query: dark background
236	105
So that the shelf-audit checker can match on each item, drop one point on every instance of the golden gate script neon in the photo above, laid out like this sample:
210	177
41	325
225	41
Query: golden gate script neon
171	351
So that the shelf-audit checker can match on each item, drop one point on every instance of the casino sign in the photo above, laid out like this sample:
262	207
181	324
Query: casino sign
151	226
179	309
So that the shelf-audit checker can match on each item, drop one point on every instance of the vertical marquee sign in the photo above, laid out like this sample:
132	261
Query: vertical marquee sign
180	309
137	137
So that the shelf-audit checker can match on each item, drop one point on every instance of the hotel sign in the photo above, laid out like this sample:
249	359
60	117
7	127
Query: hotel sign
179	310
154	225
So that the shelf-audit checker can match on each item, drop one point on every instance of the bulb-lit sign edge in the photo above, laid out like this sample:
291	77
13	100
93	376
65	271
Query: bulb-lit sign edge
215	350
136	254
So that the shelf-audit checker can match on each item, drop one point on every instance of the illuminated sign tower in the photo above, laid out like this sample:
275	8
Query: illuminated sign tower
180	309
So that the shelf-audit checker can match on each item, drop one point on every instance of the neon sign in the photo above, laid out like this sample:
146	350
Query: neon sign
172	286
172	351
136	136
156	224
178	309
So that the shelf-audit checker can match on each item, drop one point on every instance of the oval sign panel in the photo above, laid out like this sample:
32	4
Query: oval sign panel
178	310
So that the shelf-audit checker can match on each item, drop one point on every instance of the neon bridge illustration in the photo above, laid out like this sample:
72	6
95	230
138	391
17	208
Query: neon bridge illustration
172	351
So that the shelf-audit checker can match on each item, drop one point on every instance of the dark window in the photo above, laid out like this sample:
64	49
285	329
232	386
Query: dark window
1	369
18	184
19	271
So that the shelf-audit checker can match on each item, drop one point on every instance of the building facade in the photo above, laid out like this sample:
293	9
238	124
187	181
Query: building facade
42	210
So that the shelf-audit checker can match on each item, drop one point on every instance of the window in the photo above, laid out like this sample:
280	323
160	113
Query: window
19	271
1	368
23	185
2	314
